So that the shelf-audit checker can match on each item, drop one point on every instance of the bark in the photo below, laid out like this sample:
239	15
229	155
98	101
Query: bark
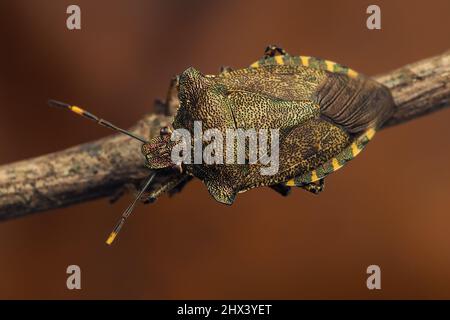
100	168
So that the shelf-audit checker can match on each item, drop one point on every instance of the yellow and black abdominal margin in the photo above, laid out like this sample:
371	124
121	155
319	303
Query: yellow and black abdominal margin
306	61
335	163
349	152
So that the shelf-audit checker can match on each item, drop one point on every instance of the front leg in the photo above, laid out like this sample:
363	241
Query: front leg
225	69
172	103
170	185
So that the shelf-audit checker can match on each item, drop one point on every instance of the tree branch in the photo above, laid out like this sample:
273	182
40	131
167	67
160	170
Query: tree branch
100	168
419	88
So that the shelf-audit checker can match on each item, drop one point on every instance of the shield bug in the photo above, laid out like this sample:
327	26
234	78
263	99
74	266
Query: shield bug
325	114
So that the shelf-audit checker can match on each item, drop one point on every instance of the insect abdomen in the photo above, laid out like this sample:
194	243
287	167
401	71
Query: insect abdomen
355	104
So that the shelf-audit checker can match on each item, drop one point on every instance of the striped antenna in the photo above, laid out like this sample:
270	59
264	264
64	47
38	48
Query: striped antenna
93	117
128	211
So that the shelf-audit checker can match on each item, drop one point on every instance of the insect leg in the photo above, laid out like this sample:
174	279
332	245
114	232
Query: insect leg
172	186
118	193
315	187
179	187
282	189
273	50
225	69
170	106
273	55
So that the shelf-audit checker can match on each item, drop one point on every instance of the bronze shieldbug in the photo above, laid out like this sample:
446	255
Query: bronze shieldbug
325	113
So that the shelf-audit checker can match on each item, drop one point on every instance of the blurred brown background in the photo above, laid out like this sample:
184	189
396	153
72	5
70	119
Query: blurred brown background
389	207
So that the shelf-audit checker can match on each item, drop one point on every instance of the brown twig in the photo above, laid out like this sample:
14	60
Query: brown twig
100	168
419	88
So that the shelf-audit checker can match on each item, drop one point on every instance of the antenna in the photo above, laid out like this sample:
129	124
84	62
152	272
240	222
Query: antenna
93	117
129	210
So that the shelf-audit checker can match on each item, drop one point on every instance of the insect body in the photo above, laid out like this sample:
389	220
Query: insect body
325	113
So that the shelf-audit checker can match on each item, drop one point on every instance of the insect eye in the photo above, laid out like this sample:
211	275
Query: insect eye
164	131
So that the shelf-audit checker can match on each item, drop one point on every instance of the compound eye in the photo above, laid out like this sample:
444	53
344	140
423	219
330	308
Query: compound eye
164	131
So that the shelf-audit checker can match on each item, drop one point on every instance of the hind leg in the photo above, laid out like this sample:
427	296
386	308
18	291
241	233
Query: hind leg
273	50
282	189
272	55
315	187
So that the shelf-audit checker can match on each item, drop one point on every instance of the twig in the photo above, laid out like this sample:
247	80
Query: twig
99	168
419	88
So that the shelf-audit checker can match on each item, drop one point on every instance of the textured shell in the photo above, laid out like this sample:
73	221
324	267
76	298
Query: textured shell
325	117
